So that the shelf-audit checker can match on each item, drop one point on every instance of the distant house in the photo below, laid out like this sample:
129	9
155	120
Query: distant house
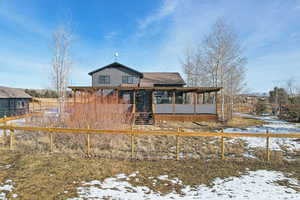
155	96
13	101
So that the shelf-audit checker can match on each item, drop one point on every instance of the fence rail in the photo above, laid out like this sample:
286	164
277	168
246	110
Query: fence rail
6	119
142	132
133	133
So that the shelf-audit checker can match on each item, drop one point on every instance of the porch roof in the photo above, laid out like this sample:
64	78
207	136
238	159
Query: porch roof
126	88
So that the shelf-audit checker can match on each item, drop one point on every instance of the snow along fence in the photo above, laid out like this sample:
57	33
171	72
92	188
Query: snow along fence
9	134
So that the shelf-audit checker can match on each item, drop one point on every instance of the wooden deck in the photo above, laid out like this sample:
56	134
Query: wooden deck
185	117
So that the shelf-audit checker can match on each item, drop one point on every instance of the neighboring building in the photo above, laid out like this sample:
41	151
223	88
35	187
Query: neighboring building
246	103
155	95
13	101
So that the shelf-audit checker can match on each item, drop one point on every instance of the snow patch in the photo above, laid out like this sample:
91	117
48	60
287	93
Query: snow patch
256	185
5	188
273	125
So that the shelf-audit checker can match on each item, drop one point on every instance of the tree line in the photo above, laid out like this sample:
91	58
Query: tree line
41	93
286	102
283	102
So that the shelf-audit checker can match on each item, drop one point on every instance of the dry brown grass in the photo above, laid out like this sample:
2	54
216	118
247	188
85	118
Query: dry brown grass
91	110
145	147
47	176
241	122
236	122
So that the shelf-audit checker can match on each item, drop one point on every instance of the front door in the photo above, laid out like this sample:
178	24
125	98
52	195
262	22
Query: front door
143	101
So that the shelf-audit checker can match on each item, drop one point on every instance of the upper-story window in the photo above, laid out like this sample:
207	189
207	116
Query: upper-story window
128	79
104	79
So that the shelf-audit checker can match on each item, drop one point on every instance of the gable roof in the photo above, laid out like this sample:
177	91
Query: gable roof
116	64
162	78
6	92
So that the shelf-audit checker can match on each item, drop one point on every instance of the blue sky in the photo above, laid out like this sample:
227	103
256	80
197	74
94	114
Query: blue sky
149	35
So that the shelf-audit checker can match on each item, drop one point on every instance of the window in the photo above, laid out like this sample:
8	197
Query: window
104	79
20	104
163	97
128	79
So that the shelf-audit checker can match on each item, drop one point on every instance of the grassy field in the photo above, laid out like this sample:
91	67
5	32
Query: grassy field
37	174
48	176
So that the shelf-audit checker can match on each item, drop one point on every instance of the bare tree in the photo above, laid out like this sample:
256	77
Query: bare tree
218	62
61	63
291	87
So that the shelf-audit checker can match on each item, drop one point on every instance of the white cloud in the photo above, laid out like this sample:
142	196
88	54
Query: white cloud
269	36
11	16
167	8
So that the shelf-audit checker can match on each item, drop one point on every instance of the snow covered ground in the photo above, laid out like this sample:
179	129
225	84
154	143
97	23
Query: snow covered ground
5	188
273	125
256	185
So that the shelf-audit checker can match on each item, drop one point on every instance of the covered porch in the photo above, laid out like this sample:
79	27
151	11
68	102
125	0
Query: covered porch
163	103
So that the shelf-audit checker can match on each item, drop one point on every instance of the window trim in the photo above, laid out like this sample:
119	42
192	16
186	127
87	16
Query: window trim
104	79
126	78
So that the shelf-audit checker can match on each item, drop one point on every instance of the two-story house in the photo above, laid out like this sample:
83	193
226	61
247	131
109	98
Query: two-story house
155	96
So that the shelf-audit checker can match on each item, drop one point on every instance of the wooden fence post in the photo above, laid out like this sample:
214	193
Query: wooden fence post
51	140
5	124
132	143
177	144
11	139
268	146
222	147
88	142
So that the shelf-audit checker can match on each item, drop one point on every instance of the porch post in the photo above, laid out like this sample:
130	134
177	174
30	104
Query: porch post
133	108
173	102
216	102
117	96
95	104
195	102
74	96
153	105
203	96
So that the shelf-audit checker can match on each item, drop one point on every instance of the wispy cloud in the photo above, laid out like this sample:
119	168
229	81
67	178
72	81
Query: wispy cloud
270	34
23	22
27	71
167	8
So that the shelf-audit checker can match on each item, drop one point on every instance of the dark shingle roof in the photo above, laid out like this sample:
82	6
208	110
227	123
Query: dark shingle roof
115	64
162	78
6	92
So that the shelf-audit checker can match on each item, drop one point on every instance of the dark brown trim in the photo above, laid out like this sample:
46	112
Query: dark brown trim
116	64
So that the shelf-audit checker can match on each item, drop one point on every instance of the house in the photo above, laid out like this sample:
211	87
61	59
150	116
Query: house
13	101
154	96
246	103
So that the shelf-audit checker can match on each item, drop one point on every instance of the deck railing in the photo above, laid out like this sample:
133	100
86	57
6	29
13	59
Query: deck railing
185	108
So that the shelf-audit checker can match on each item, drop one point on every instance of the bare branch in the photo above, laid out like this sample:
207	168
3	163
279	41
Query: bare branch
61	62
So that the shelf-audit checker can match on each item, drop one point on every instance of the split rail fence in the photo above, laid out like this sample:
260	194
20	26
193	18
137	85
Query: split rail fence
134	133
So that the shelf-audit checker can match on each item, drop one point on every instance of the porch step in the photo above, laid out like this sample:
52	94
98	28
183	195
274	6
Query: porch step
144	118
